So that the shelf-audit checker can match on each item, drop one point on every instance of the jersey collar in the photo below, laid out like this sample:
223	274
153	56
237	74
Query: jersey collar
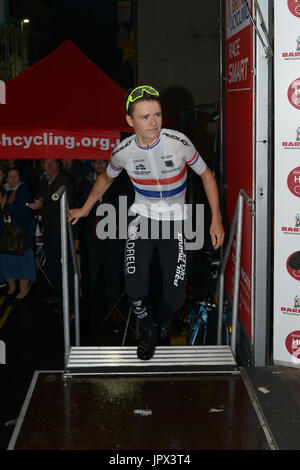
147	147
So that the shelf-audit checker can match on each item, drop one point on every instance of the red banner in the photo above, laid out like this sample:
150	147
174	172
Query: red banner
239	142
57	143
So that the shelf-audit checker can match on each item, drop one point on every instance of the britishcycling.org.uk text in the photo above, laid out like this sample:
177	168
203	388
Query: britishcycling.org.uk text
50	139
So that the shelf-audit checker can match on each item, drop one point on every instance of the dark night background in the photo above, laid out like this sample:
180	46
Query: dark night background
90	24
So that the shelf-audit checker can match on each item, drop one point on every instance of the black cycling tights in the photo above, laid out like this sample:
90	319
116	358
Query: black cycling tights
144	236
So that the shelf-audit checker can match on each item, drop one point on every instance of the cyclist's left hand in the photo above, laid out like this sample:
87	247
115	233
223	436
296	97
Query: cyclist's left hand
217	234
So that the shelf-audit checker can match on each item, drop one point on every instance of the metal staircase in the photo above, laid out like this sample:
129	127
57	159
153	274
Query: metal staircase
119	360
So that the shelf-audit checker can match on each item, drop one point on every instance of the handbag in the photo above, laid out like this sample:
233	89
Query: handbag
13	240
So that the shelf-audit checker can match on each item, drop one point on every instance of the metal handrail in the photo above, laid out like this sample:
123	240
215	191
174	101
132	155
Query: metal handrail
66	231
237	225
267	48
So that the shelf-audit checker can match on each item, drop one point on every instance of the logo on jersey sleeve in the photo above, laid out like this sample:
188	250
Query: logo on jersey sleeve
121	147
177	137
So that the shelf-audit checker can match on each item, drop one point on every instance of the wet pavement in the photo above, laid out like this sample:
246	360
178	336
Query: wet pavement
141	413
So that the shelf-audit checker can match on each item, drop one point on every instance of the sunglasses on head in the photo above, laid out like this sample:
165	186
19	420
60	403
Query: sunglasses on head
138	93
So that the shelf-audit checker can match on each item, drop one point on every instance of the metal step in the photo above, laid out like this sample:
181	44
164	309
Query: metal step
117	360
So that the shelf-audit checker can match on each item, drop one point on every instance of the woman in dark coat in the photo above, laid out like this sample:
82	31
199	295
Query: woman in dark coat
14	209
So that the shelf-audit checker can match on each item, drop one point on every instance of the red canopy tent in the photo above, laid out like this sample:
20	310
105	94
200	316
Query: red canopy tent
63	106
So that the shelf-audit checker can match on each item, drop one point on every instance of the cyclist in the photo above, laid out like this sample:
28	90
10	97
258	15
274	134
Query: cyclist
156	161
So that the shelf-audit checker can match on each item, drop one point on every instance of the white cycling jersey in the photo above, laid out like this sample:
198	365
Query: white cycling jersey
158	173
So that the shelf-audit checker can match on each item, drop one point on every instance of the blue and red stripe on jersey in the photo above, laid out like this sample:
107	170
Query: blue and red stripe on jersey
114	167
161	194
193	160
161	181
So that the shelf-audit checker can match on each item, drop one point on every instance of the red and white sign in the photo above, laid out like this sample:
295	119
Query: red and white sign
286	329
295	273
238	47
293	181
294	93
57	143
294	7
237	17
239	143
292	344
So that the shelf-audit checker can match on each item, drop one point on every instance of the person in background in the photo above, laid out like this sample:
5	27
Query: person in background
75	168
27	175
53	178
2	177
14	200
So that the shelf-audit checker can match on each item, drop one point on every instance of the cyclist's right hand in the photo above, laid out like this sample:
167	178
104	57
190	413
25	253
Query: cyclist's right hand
76	214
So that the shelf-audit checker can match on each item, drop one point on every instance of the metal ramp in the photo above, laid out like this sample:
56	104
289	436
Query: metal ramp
166	360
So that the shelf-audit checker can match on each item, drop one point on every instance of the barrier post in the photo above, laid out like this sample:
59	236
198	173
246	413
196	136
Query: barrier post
64	261
237	225
65	231
76	287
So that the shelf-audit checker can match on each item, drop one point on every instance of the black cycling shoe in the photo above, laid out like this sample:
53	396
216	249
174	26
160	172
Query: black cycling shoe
147	343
